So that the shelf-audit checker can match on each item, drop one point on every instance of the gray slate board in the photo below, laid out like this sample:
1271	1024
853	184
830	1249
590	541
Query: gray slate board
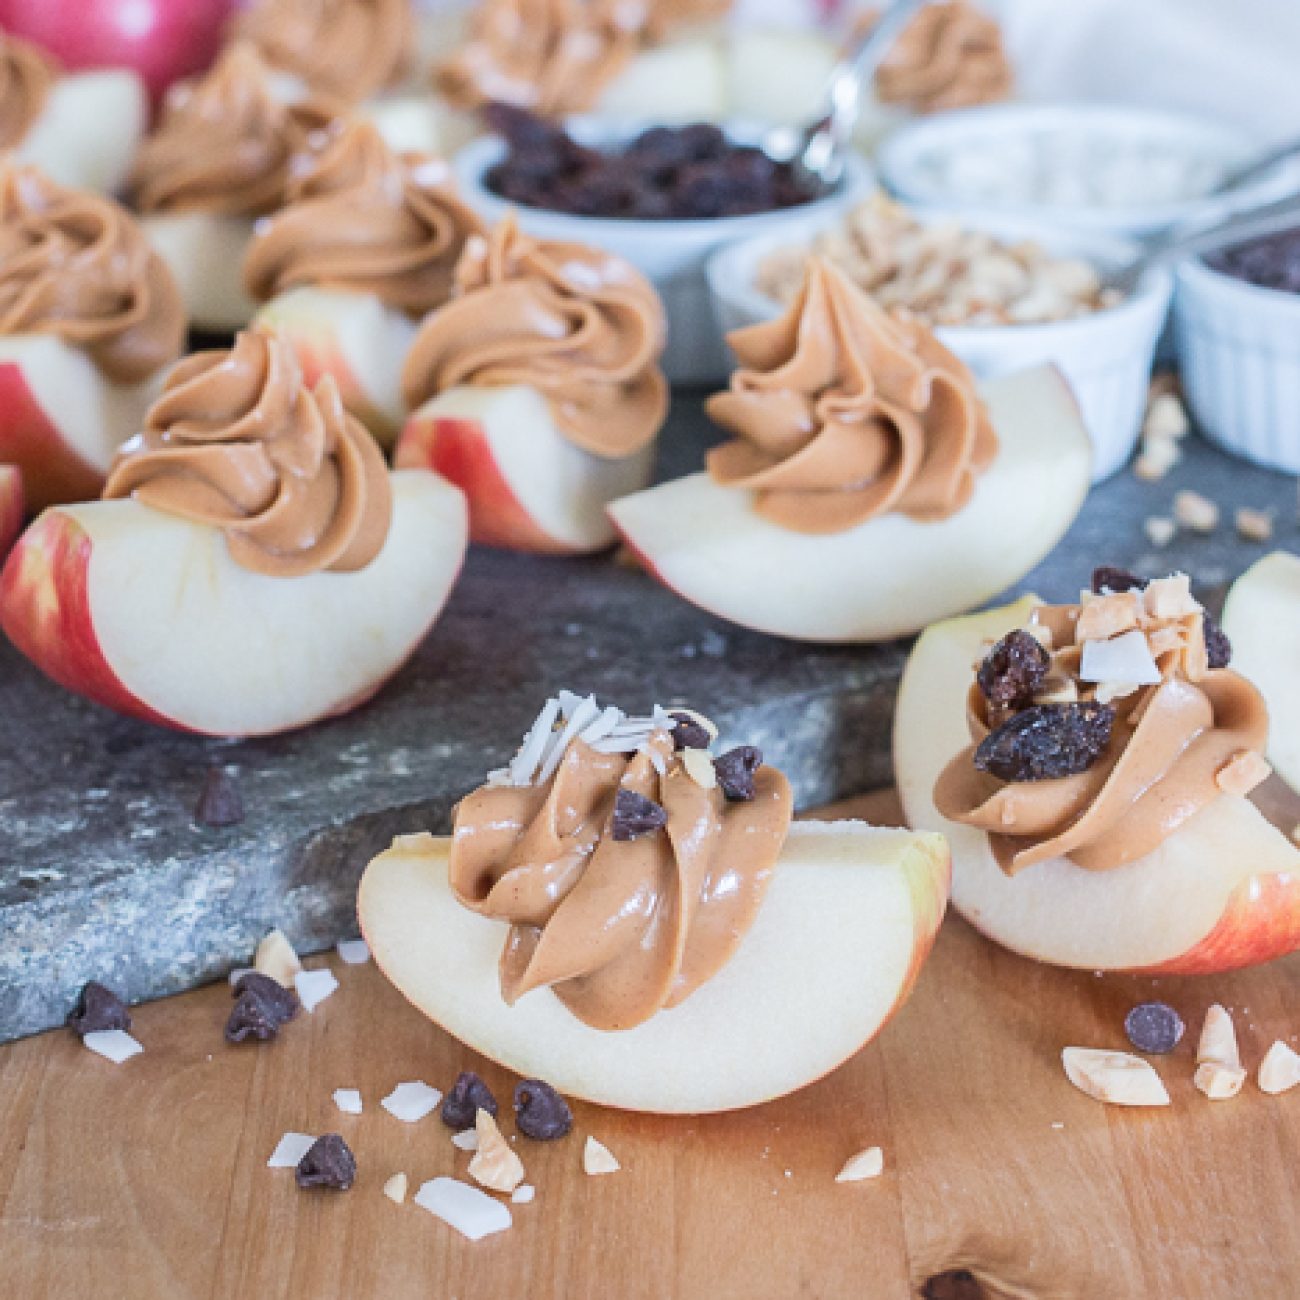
104	875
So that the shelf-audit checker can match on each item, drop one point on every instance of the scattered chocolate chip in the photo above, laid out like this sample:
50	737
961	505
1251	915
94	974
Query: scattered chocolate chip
1108	578
1047	741
220	803
282	1001
636	815
1218	649
1153	1028
688	733
735	770
468	1095
261	1007
98	1008
327	1163
540	1112
1013	670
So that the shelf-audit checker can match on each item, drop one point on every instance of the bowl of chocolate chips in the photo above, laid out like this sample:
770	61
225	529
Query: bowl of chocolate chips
663	197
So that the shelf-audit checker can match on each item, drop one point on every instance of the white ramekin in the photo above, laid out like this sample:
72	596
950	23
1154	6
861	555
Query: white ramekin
1239	358
984	132
671	254
1105	356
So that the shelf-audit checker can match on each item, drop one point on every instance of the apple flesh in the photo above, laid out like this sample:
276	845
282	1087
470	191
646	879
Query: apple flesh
890	576
849	917
1220	893
681	81
780	76
355	338
419	123
11	506
147	614
1262	620
61	421
529	487
204	252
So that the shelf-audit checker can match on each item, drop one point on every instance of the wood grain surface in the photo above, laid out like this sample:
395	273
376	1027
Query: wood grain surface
149	1179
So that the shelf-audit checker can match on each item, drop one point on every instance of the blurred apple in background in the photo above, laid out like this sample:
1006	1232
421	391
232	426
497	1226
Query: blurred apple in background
162	40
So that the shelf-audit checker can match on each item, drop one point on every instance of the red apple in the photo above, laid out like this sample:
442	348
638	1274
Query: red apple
11	506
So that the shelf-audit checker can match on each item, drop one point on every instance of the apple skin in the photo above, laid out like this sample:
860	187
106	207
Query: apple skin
11	507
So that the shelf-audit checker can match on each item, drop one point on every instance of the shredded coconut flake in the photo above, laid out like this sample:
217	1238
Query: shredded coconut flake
114	1045
314	986
395	1189
411	1101
597	1158
348	1100
353	952
466	1141
523	1194
472	1213
290	1150
1124	658
866	1164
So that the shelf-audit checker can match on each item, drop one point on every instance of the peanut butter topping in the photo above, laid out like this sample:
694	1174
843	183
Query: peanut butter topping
26	75
1183	733
842	413
77	265
224	142
349	48
582	327
358	217
626	881
237	441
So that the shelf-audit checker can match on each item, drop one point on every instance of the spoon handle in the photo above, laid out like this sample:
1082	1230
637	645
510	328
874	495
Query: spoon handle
860	63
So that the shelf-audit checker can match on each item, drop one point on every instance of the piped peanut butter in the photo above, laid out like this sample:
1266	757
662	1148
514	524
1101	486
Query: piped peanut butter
626	882
1178	733
26	75
237	441
583	328
358	217
842	413
77	265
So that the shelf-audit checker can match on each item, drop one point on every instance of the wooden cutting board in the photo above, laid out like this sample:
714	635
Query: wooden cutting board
149	1179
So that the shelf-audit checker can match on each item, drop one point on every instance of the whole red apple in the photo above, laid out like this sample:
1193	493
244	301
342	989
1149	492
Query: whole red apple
162	40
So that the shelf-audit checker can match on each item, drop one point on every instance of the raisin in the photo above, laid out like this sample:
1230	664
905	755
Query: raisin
98	1008
468	1095
1013	670
635	815
1112	579
328	1162
220	802
540	1112
261	1007
1047	741
688	733
1218	649
1153	1027
735	771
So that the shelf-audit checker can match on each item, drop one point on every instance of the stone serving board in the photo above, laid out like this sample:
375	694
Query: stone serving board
103	873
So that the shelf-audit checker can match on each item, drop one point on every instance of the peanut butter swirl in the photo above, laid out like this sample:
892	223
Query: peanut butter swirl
949	56
347	48
77	265
26	75
842	413
225	142
358	217
619	928
237	441
582	327
1177	743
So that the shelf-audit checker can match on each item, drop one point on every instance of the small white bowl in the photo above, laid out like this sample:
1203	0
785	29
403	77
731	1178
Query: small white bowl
1082	139
671	254
1239	357
1106	356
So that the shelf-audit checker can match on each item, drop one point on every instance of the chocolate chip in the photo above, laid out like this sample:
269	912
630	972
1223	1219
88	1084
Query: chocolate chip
540	1112
261	1006
327	1163
735	770
468	1095
98	1008
1218	649
1108	578
636	815
688	733
1154	1027
1047	741
1013	670
282	1001
220	802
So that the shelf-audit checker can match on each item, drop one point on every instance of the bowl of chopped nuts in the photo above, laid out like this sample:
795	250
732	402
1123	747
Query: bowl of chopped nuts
1002	293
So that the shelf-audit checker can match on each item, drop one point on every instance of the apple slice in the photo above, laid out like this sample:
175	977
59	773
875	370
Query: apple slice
11	506
1222	892
681	81
147	613
89	129
61	421
890	576
204	252
355	338
529	487
1262	620
419	123
848	920
779	74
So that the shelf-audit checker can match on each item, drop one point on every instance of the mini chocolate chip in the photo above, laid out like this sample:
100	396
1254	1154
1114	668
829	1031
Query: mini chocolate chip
1047	741
636	815
1154	1027
1110	578
1013	670
262	1005
540	1112
735	770
468	1095
1218	649
220	803
688	733
98	1008
327	1163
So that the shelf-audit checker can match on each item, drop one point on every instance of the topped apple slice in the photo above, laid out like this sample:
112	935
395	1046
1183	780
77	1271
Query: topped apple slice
869	489
636	921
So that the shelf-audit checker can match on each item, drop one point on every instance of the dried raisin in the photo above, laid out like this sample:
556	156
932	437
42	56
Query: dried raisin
1047	741
1013	670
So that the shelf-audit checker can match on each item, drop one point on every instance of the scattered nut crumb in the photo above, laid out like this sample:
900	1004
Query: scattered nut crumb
1254	525
1219	1082
1279	1071
1218	1041
1156	459
699	767
598	1158
1159	530
1242	773
395	1189
466	1140
495	1164
276	957
866	1164
1115	1077
1166	418
1192	510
